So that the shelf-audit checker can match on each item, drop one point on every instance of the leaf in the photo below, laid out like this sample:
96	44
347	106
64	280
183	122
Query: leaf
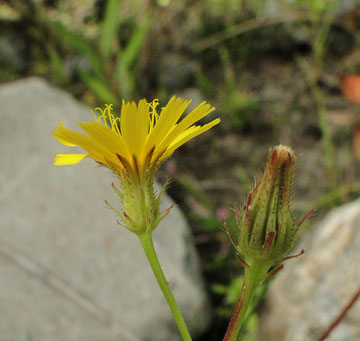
109	27
126	58
101	89
126	81
56	64
83	47
132	49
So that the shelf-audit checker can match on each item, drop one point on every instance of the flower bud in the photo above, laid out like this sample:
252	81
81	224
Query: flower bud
266	226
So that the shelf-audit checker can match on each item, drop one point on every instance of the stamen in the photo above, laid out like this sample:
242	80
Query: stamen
154	116
103	116
95	118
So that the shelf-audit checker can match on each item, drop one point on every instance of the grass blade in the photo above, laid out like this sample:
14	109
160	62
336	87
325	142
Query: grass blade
132	50
100	88
109	27
80	45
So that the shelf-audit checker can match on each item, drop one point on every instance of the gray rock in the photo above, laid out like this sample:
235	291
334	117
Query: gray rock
67	270
275	8
340	41
309	293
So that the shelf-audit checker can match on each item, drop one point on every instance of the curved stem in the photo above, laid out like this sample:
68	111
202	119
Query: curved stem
254	275
148	246
340	317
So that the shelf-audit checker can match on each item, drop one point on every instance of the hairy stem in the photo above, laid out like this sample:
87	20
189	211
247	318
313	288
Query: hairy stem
148	246
253	277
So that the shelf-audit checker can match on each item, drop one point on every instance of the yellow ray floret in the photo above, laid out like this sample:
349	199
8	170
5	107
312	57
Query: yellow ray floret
137	140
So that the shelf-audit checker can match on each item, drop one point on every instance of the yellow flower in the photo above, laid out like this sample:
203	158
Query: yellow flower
133	145
137	141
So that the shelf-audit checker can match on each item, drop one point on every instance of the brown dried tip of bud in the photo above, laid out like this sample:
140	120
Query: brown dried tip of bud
282	155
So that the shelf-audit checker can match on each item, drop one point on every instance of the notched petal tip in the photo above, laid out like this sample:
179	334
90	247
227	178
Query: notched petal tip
68	159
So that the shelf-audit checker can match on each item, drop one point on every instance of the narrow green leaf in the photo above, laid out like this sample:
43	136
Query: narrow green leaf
126	81
81	46
56	64
132	50
109	27
100	88
126	58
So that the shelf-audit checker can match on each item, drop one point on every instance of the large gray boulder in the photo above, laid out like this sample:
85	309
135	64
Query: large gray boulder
310	292
67	270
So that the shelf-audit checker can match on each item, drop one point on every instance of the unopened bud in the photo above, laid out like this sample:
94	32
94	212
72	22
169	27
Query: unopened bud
267	228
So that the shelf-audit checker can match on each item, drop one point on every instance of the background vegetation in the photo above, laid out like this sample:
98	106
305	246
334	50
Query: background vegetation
277	72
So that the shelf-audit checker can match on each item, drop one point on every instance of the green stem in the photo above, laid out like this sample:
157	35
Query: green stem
254	275
148	246
325	131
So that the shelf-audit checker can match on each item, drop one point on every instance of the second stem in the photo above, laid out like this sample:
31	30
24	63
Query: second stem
253	276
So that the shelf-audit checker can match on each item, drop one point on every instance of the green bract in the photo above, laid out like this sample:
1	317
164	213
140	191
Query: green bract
266	227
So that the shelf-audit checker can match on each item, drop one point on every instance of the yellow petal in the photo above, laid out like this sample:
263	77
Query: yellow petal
188	135
96	150
68	159
168	118
66	143
134	121
197	114
138	137
105	137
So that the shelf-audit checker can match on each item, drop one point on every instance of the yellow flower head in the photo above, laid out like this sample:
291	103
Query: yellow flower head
137	141
133	145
